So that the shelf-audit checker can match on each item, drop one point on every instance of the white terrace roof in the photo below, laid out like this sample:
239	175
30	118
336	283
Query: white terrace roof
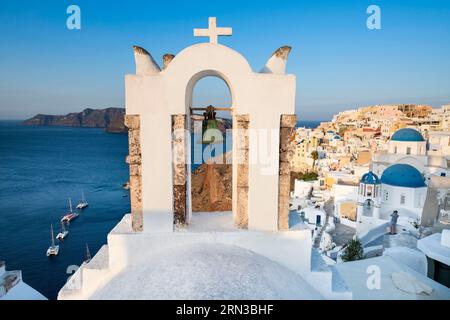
355	276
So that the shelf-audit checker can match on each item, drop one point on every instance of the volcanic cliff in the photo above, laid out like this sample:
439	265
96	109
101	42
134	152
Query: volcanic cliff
112	119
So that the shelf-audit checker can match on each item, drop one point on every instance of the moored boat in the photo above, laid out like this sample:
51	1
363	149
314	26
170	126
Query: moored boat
63	233
82	203
53	250
68	217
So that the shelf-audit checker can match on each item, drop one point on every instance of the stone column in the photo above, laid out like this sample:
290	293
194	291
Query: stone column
134	159
287	131
242	165
179	167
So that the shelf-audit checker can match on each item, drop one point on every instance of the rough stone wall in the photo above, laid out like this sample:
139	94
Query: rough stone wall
287	132
179	168
134	159
242	149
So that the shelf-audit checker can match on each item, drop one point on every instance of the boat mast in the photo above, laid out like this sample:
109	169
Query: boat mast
82	196
53	236
88	253
70	205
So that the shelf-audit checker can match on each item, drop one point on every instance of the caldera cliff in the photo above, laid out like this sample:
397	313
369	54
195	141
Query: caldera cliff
112	119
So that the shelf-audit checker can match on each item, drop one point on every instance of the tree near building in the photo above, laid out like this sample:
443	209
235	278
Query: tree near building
314	156
353	251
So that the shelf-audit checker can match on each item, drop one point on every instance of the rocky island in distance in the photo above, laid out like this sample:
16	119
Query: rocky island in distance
112	119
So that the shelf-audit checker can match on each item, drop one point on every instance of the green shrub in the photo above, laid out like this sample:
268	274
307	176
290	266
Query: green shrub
353	251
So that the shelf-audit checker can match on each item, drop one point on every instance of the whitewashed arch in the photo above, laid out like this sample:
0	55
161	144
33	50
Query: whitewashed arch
156	96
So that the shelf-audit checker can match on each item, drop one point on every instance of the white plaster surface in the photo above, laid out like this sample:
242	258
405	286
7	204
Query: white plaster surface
433	248
355	276
211	221
414	259
207	271
133	252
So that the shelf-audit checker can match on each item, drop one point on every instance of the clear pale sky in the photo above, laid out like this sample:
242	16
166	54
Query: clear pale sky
339	63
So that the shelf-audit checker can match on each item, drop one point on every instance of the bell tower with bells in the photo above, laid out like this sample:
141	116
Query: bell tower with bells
159	106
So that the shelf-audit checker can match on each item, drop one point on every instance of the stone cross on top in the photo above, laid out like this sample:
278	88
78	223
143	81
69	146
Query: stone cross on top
213	32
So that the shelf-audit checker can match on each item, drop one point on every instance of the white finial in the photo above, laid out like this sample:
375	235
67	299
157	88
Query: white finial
213	32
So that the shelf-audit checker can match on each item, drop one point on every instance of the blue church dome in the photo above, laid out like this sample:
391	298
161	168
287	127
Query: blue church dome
403	175
370	178
407	134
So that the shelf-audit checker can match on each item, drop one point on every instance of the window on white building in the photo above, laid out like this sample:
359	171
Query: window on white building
408	150
369	191
395	149
402	199
386	196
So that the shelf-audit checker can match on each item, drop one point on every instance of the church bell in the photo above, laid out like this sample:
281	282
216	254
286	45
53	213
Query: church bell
210	129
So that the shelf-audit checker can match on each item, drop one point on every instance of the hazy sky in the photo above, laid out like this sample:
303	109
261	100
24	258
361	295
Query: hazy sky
339	63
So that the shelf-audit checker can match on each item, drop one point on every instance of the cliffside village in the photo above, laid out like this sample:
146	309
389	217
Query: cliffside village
381	175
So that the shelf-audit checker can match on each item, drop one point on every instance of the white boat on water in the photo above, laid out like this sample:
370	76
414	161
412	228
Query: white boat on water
53	250
63	233
82	203
70	215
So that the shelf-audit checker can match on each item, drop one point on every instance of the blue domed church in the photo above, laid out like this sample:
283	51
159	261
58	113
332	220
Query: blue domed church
401	187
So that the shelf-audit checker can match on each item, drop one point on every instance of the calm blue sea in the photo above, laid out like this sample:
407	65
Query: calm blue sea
40	168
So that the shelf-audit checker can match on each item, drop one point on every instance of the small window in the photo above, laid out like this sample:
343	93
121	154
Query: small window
408	150
402	199
369	191
395	149
386	196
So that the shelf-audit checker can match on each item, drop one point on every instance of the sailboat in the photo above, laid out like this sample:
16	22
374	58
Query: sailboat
53	249
88	254
82	203
60	236
70	215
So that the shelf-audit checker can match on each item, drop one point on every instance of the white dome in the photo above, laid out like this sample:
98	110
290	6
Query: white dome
207	271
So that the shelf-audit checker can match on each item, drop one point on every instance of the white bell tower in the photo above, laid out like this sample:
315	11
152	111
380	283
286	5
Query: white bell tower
369	196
